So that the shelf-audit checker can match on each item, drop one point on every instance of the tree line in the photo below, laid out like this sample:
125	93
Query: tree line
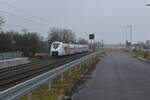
31	42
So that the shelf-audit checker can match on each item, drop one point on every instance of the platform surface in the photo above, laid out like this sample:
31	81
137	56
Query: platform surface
13	62
13	59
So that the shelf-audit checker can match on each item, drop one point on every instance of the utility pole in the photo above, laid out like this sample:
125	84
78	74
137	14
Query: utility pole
94	42
102	44
130	28
130	33
126	34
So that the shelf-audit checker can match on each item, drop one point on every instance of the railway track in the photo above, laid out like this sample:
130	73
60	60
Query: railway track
14	75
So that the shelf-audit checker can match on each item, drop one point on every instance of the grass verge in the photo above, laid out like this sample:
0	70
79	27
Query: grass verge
142	54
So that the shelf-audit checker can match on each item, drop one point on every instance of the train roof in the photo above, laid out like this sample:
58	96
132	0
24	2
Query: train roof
68	43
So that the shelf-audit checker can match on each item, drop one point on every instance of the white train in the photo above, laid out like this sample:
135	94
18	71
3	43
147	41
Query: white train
61	49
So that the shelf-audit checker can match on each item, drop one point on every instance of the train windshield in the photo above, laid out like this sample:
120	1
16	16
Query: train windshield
55	45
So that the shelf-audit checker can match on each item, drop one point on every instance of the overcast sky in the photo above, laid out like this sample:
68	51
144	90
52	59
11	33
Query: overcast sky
107	18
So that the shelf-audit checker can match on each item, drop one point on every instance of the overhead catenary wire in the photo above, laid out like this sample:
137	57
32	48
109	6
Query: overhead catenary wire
38	20
19	26
23	11
23	18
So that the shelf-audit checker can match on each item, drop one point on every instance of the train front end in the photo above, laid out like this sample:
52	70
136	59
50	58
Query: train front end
56	49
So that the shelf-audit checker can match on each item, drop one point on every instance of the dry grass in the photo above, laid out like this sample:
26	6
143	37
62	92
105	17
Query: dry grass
142	54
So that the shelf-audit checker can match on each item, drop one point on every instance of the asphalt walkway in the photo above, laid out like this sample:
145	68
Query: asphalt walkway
118	76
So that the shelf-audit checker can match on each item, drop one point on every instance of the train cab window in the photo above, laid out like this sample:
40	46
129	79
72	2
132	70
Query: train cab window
55	45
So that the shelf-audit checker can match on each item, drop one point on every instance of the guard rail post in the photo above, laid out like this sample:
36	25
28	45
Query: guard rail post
30	96
62	78
69	72
79	67
76	68
49	85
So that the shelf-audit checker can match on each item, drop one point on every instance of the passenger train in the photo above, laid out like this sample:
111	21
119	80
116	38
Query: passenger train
61	49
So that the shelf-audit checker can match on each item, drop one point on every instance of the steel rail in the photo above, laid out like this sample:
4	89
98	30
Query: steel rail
29	85
12	77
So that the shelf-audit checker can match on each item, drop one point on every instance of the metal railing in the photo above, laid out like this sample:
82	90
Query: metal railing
28	86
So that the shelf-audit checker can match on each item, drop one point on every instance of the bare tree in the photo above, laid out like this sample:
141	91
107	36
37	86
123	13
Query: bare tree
67	35
54	35
83	41
1	21
61	35
5	42
25	31
29	43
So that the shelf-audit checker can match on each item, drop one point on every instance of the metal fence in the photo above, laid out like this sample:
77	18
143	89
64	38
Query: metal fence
28	86
9	55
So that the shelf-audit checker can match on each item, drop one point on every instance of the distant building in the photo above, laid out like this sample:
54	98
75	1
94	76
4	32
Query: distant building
141	43
147	43
139	46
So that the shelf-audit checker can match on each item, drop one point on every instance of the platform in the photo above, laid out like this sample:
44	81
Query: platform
13	62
